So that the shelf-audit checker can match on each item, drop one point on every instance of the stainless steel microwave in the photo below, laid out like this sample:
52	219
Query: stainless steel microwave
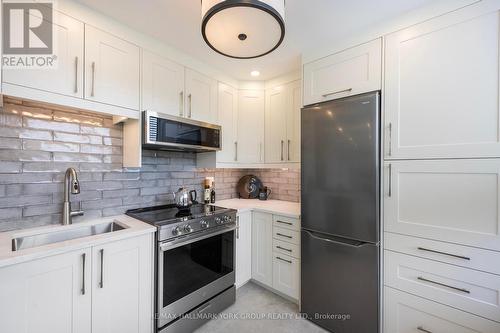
166	132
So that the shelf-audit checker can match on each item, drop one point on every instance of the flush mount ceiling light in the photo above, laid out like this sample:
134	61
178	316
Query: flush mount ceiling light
243	29
255	73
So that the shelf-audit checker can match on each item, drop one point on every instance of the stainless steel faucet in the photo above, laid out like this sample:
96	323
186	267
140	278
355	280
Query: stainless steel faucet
72	185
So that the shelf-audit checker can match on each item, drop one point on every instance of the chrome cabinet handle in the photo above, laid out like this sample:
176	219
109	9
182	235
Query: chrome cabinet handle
83	273
190	99
236	150
284	249
288	149
443	253
92	92
278	234
390	181
288	261
421	329
443	285
282	143
76	75
181	104
283	222
101	282
237	227
337	92
390	139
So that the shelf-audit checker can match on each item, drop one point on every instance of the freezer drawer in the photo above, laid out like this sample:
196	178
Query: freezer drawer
340	283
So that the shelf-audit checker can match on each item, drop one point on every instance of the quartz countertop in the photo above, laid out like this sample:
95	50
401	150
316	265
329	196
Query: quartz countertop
285	208
9	257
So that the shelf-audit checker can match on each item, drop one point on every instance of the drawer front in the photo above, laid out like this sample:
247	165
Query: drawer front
286	222
455	201
286	248
464	256
287	235
405	313
286	275
465	289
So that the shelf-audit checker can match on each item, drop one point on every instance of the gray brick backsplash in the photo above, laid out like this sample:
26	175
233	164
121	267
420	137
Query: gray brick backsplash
38	143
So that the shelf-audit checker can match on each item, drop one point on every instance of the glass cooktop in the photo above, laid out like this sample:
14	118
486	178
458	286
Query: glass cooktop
168	214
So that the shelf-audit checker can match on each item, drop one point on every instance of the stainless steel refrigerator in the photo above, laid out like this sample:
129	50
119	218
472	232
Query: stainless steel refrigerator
340	252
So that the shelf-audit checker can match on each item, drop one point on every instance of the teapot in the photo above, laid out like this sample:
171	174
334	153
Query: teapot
184	198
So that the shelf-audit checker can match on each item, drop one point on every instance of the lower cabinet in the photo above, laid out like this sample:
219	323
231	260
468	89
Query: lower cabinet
262	248
243	248
286	273
81	291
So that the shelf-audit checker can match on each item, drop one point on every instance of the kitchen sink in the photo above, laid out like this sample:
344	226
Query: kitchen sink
26	242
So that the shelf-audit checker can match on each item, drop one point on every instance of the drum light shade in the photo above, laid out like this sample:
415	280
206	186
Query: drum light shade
243	29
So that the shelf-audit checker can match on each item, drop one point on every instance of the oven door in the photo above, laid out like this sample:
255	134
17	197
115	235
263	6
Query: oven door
193	269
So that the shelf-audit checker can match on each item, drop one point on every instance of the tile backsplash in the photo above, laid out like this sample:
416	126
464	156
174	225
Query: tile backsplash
38	143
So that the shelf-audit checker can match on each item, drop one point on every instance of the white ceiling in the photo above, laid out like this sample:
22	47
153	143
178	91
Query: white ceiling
309	23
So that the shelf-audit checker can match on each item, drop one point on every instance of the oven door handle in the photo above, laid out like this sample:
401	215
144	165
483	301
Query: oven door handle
181	242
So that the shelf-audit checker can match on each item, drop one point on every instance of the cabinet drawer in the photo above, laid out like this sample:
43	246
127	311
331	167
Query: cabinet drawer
465	256
286	248
455	201
472	291
286	222
286	235
286	274
405	313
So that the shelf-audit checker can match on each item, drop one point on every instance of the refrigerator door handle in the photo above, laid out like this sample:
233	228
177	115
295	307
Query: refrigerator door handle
357	244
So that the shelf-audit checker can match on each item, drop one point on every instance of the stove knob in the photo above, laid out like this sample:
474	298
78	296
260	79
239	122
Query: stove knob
217	220
227	218
204	224
176	231
188	228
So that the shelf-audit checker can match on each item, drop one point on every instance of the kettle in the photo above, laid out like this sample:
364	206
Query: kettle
184	198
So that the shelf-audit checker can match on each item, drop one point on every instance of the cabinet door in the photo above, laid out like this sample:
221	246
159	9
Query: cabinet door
275	124
52	294
244	249
442	88
353	71
111	69
228	113
294	104
122	286
250	143
262	248
286	274
454	201
201	97
162	85
67	76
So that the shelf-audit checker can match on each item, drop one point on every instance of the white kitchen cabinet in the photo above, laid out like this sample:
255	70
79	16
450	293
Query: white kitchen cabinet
162	85
455	201
66	78
52	294
294	104
350	72
122	286
262	248
228	120
201	97
250	144
286	274
244	248
442	88
111	69
406	313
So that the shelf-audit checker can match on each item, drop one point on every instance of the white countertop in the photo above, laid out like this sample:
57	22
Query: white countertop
286	208
9	257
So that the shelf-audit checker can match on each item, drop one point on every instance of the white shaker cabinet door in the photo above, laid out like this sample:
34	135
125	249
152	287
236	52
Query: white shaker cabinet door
262	248
250	143
275	124
228	119
455	201
350	72
122	286
294	104
162	85
442	88
201	97
111	69
286	275
52	294
66	78
244	248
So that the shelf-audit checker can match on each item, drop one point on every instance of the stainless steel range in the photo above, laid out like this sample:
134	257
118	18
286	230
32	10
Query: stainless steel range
194	263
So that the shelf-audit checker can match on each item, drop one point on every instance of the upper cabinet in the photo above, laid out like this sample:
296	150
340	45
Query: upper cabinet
350	72
442	88
162	85
67	77
201	97
111	69
228	119
250	143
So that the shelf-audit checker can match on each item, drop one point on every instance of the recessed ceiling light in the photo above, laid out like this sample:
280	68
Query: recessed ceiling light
255	73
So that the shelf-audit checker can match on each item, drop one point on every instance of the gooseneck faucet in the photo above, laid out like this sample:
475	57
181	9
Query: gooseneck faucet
72	185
